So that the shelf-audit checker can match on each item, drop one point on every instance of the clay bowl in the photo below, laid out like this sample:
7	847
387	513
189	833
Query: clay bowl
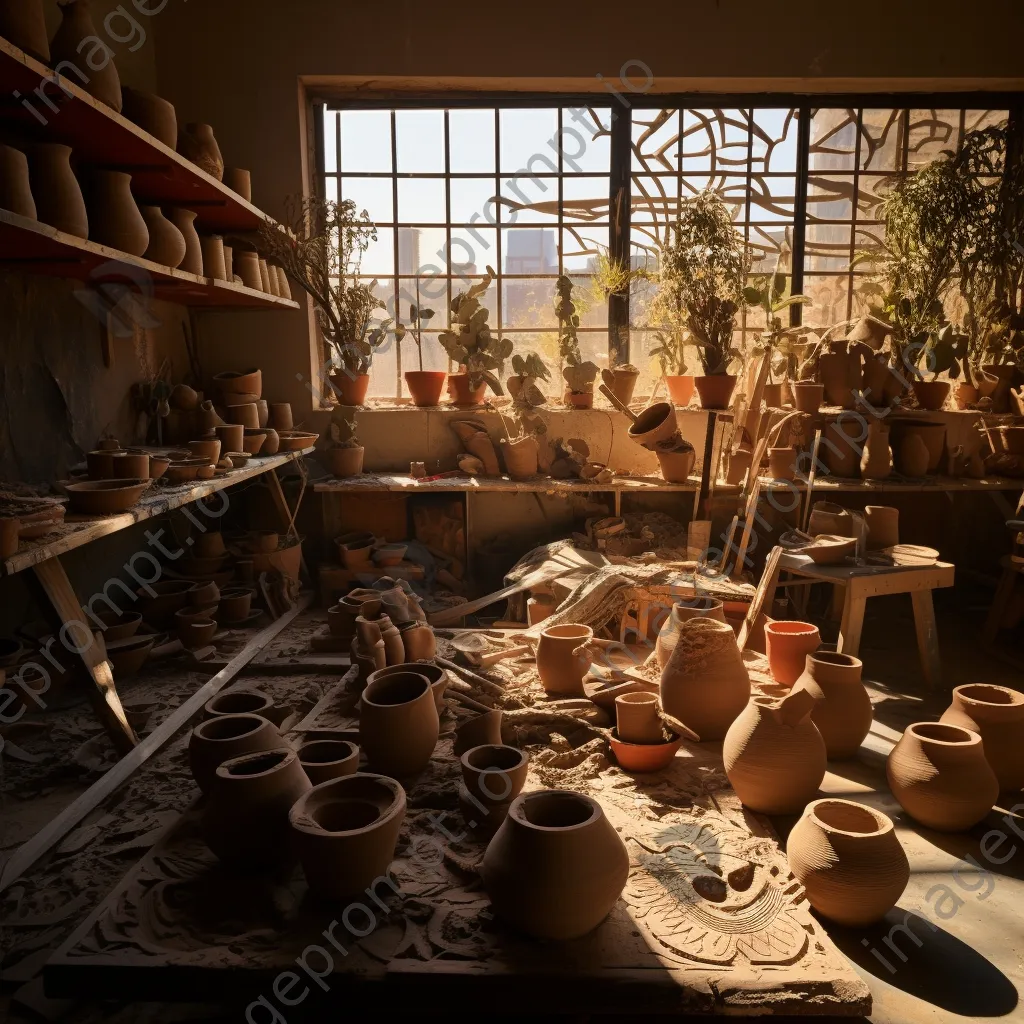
158	466
128	656
235	605
643	757
185	615
119	626
323	759
494	772
829	549
105	497
238	459
183	472
204	595
296	440
207	449
170	596
241	702
390	554
196	633
911	554
253	440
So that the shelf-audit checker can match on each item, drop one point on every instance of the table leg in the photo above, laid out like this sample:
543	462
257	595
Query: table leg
852	624
927	637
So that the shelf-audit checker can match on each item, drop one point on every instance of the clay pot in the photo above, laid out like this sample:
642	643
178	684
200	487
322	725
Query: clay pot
913	456
271	443
105	497
676	466
204	595
876	460
73	38
152	114
22	23
461	393
166	243
264	541
323	760
425	386
715	390
655	424
622	381
127	656
965	395
15	189
830	518
196	142
829	549
996	713
808	396
114	219
265	277
684	611
184	398
776	395
398	724
350	389
540	607
787	645
240	181
344	462
418	641
475	732
119	626
247	267
556	866
213	257
231	436
705	683
849	861
563	659
246	415
241	702
883	524
931	394
836	378
205	448
520	457
281	416
158	466
394	648
933	435
579	399
843	710
680	388
637	719
223	737
159	601
235	606
739	465
940	777
1004	374
774	756
130	466
841	447
55	189
196	633
782	463
494	773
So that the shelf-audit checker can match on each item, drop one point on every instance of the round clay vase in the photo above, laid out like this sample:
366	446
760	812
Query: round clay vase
841	445
705	683
398	723
849	861
184	221
782	463
245	821
827	517
425	387
883	522
323	760
556	866
166	243
114	219
996	713
787	645
56	191
344	462
715	390
637	719
683	611
843	710
563	659
223	737
15	188
196	142
808	396
152	114
940	777
350	389
931	394
774	756
876	460
73	38
680	388
22	23
345	831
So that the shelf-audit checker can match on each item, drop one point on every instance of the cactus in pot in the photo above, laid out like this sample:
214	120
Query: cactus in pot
578	374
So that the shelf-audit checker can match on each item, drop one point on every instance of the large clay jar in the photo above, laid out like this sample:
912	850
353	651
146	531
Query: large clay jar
876	461
556	866
344	832
913	456
223	737
841	447
883	522
113	216
705	683
246	819
843	710
787	645
683	611
563	659
15	188
166	243
849	861
184	221
196	142
398	723
72	39
996	713
22	23
152	114
715	390
774	755
56	191
939	774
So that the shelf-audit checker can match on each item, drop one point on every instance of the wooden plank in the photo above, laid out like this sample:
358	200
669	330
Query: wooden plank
399	482
27	854
939	484
748	526
805	516
449	616
763	596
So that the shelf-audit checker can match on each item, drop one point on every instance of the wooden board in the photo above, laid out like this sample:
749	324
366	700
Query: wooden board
369	482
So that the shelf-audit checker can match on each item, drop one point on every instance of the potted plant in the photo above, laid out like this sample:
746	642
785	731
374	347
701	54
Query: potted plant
614	277
425	386
521	453
522	386
470	344
671	352
345	454
579	374
321	245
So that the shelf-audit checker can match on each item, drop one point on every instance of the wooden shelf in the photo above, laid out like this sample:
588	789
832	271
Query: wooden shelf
377	482
931	484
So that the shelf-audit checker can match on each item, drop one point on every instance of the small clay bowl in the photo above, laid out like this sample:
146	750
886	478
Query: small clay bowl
241	702
296	440
197	633
494	773
158	466
119	627
643	757
323	760
265	542
186	615
253	440
105	497
128	656
182	472
390	554
830	549
238	459
204	595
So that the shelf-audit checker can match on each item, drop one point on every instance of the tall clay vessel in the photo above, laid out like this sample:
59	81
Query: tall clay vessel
113	216
184	221
996	713
940	776
556	866
563	659
75	39
913	456
152	114
55	189
849	861
841	446
843	710
166	243
876	460
683	611
15	189
883	522
22	23
398	723
787	645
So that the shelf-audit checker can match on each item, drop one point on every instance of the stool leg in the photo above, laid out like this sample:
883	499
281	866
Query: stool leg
927	637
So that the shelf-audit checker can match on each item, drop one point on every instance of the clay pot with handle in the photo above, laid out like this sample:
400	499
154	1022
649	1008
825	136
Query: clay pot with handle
996	714
564	658
843	711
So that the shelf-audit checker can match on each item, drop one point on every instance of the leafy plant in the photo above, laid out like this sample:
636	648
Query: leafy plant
343	431
530	365
578	373
470	343
771	293
417	318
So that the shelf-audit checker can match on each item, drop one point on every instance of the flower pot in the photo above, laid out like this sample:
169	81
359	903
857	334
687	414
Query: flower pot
235	606
876	459
223	737
520	456
680	613
940	777
344	462
623	384
913	456
556	866
244	382
996	713
75	36
932	435
776	395
349	388
15	189
245	415
774	755
166	243
563	659
494	773
739	465
114	219
931	394
849	861
241	702
22	23
152	114
655	424
829	518
837	379
680	388
398	724
637	719
965	395
808	396
344	832
883	524
425	386
843	710
231	437
579	399
705	683
787	645
676	466
638	758
841	447
782	463
324	760
205	448
196	142
281	416
715	390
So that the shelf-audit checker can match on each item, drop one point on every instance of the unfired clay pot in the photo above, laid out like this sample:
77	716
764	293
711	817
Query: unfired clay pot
563	659
398	723
913	456
245	821
883	524
683	611
240	181
849	861
841	445
213	259
247	266
705	683
787	645
656	423
520	456
808	396
494	773
22	23
474	732
15	188
114	219
345	462
715	390
152	114
774	755
196	142
344	832
184	221
637	719
843	710
939	775
223	737
876	460
55	189
166	243
242	702
782	463
556	866
76	29
996	713
323	760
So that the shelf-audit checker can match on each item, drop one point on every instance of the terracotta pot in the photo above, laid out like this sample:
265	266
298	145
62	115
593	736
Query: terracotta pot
808	396
739	465
344	832
196	633
774	755
184	398
76	36
623	384
130	466
127	656
324	760
637	719
540	607
788	644
235	606
264	541
776	395
247	267
398	724
167	597
563	659
22	23
680	388
114	219
119	626
15	189
231	437
271	442
245	415
932	434
475	732
344	462
105	497
281	416
940	777
849	861
425	386
676	466
205	448
166	243
196	142
655	424
152	114
843	710
579	399
240	181
931	394
996	713
262	412
782	463
494	773
213	257
241	702
705	683
419	642
1004	374
184	221
223	737
841	447
556	866
715	390
883	524
434	674
520	456
965	395
829	518
350	389
836	379
876	459
913	456
394	648
877	375
681	612
245	382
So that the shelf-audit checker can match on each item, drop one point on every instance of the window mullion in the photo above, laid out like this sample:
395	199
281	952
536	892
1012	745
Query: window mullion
803	163
620	200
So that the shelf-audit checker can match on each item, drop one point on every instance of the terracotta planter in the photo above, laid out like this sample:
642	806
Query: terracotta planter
705	683
877	376
241	702
425	386
680	613
782	463
843	710
776	396
876	459
245	415
231	437
883	524
271	442
579	399
940	777
196	142
114	219
965	395
655	424
739	465
130	466
996	713
74	38
638	758
837	379
556	866
205	448
563	659
223	737
680	389
152	114
623	384
842	446
520	457
774	755
931	394
166	243
808	396
849	861
324	760
398	724
105	497
244	382
235	606
196	633
637	719
484	729
494	773
829	518
22	23
418	641
933	437
281	416
715	390
350	389
15	188
788	644
344	462
344	832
